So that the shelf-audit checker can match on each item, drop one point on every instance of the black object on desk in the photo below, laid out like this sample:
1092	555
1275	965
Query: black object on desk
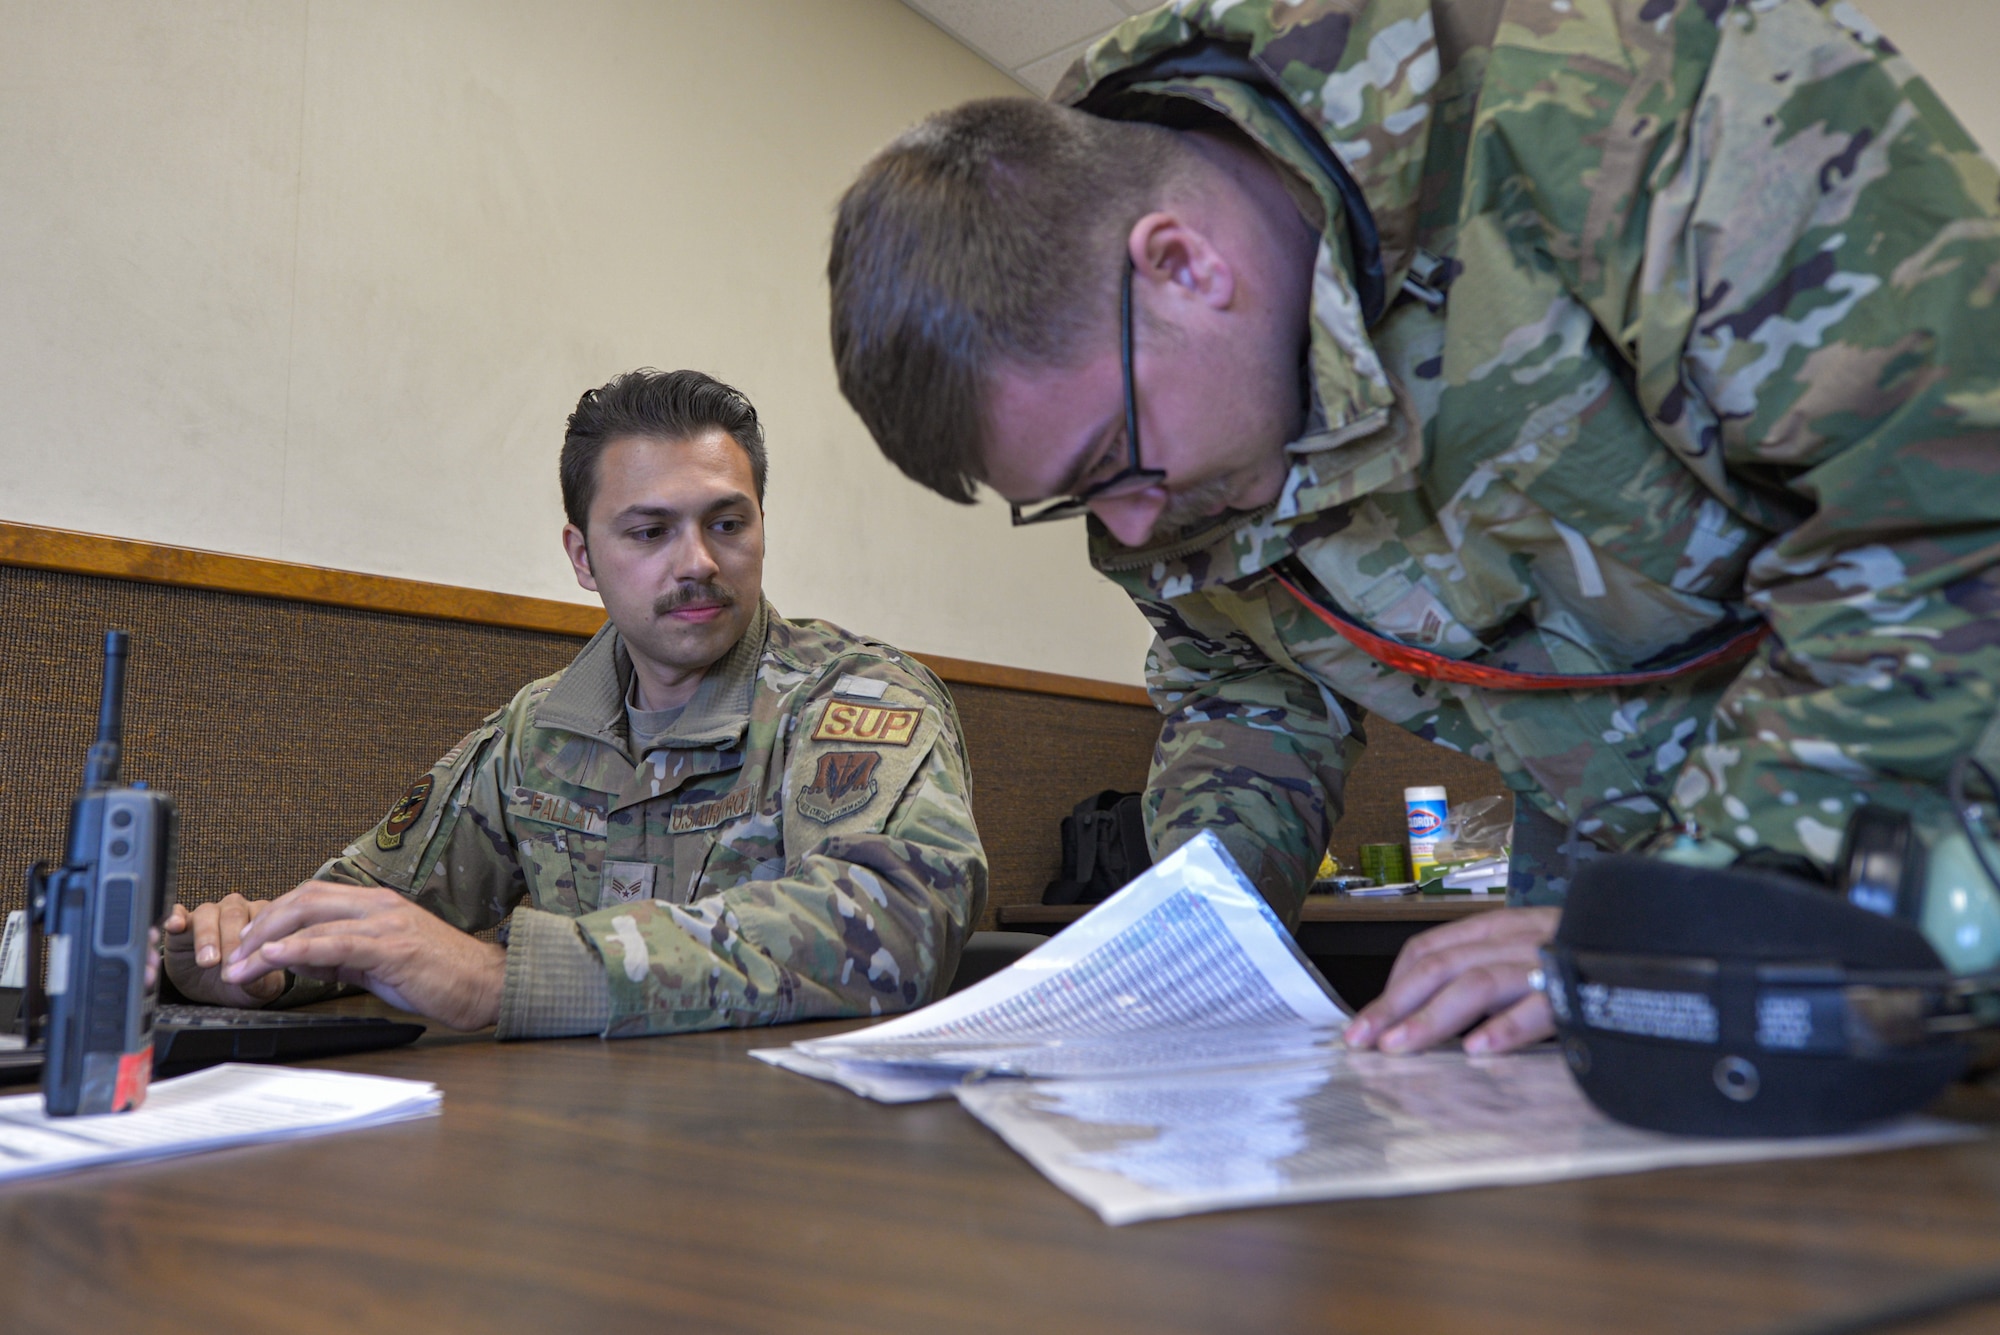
187	1038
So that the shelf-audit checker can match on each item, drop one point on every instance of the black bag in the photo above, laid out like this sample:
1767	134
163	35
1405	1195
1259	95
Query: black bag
1103	847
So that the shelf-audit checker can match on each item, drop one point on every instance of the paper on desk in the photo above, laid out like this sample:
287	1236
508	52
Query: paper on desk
1347	1125
1179	1055
1184	967
221	1106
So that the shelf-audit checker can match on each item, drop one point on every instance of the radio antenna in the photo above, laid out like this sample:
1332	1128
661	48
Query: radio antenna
101	768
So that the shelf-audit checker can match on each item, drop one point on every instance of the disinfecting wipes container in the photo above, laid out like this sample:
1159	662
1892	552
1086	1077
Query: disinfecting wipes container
1427	810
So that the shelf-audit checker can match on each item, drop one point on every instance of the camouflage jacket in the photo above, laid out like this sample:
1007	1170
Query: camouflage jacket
1691	321
800	844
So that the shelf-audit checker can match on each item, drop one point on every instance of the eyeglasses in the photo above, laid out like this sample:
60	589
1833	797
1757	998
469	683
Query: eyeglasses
1132	477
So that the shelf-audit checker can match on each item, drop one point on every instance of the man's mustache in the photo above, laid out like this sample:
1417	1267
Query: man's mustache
687	595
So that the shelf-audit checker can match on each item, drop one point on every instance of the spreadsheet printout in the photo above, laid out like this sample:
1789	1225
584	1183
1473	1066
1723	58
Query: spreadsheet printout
1344	1125
1172	1053
1185	967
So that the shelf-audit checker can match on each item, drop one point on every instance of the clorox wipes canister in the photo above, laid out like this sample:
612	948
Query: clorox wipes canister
1427	810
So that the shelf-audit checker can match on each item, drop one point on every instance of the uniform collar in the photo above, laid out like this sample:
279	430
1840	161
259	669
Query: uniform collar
1330	470
590	698
720	709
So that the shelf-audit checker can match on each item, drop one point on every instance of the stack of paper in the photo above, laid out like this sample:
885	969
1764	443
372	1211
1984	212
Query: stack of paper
221	1106
1173	1052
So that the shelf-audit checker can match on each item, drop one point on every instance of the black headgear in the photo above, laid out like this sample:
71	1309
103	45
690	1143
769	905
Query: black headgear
1740	1002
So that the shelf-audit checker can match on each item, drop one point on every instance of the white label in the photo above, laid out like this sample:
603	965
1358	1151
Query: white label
14	950
58	965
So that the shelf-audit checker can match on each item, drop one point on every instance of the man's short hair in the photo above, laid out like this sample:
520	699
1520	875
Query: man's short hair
989	233
663	405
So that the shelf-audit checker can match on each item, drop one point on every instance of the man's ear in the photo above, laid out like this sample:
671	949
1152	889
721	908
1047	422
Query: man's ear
578	548
1181	261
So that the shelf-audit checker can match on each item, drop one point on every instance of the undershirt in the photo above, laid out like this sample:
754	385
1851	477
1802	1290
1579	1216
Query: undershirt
647	726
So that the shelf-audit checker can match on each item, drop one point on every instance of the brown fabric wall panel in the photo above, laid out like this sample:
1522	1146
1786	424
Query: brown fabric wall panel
283	729
1033	758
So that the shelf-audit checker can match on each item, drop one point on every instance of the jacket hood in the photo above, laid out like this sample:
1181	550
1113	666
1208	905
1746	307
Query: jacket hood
1363	72
1367	75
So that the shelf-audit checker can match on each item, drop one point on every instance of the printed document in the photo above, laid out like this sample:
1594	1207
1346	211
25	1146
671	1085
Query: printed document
224	1105
1174	1052
1347	1125
1184	967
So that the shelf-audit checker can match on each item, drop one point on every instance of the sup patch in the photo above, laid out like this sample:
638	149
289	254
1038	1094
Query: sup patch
878	725
843	784
687	817
403	815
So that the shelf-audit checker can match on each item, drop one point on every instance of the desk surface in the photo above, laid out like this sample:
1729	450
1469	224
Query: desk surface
674	1184
1318	908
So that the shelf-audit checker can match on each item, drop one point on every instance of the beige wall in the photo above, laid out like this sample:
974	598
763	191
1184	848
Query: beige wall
1952	43
320	280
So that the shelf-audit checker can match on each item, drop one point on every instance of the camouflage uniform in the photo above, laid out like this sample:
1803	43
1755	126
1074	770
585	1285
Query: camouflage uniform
1692	320
799	844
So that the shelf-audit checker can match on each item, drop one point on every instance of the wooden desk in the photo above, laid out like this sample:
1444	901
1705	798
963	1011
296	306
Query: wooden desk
1353	941
674	1184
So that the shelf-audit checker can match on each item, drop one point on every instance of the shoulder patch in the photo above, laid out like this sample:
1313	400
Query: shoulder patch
842	785
404	814
876	725
687	817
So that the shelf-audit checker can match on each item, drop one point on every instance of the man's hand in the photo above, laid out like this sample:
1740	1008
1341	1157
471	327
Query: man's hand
199	939
1446	978
376	938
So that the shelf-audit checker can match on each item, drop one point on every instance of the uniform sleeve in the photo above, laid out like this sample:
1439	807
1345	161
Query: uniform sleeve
443	833
883	878
1817	328
444	843
1251	750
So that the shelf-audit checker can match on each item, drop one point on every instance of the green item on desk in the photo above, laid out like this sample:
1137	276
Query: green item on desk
1385	864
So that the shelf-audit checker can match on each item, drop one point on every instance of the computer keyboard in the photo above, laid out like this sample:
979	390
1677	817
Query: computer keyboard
186	1038
225	1017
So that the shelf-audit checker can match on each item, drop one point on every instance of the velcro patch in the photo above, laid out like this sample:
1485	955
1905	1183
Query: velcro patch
628	882
528	804
878	725
843	784
687	817
403	815
860	688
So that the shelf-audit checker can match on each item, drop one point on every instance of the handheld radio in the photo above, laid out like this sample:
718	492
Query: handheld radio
95	917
